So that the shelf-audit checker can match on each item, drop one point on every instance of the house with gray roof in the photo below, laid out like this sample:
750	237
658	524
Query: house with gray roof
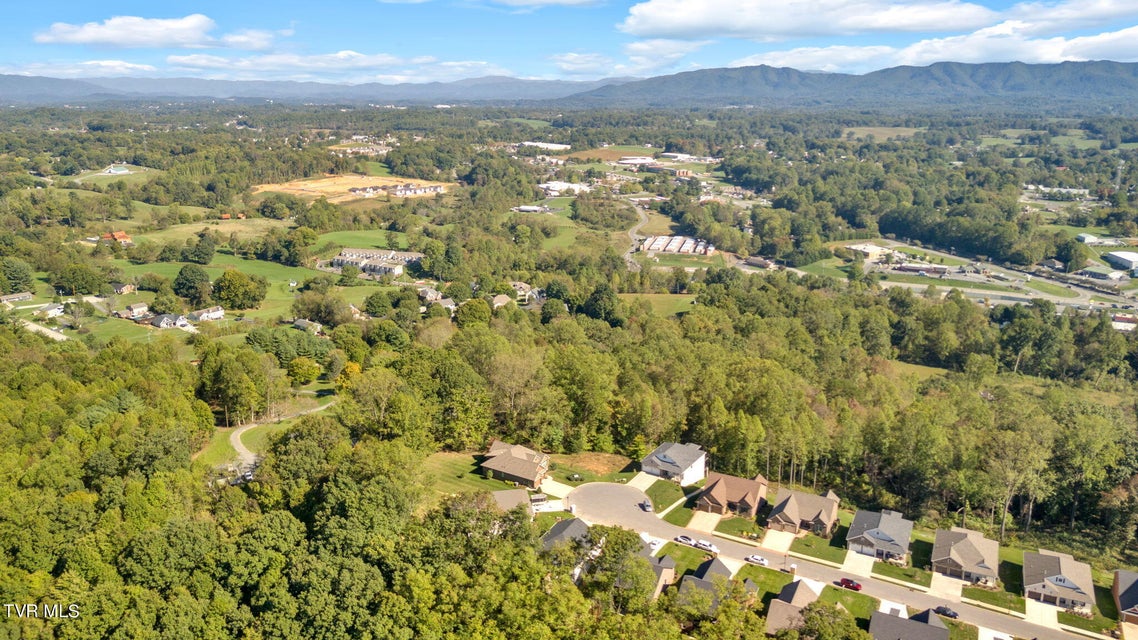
684	463
1058	579
785	611
1125	591
511	498
925	625
571	531
966	554
796	511
515	463
710	579
881	534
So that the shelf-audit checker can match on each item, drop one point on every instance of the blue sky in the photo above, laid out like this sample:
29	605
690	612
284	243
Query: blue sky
441	40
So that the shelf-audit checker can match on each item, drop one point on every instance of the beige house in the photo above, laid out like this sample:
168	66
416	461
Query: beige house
516	463
723	494
966	554
796	511
1058	579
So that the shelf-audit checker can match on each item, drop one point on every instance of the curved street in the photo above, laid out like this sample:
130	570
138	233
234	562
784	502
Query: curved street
619	505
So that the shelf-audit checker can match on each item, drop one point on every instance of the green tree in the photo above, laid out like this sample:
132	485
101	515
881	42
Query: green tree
302	371
193	284
476	311
15	275
237	290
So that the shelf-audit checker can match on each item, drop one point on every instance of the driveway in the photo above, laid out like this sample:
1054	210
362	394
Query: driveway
1130	631
779	541
705	522
945	587
858	564
619	505
642	481
551	487
1041	613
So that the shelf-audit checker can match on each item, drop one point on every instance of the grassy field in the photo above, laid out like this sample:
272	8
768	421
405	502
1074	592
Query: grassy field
918	371
218	451
592	467
678	260
769	581
659	225
544	521
681	515
1051	289
833	267
945	283
880	133
687	558
376	168
1001	599
453	473
663	493
363	239
907	574
137	175
336	188
663	304
860	606
257	439
536	124
832	550
245	229
739	526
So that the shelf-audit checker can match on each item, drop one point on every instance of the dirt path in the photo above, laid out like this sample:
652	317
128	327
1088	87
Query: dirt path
44	331
634	239
246	459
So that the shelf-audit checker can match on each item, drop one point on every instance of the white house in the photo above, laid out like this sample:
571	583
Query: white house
204	315
684	463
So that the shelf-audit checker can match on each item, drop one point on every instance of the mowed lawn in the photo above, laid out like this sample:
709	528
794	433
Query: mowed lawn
454	473
860	606
364	239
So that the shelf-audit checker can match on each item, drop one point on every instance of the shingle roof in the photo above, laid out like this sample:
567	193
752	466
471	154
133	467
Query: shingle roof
722	489
516	460
564	531
923	626
886	530
798	506
674	457
509	498
1075	577
785	611
1127	589
713	567
970	549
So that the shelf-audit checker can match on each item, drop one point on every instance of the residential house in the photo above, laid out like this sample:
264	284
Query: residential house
205	315
572	531
709	580
169	321
510	498
1053	264
136	310
966	554
665	569
524	293
925	625
51	311
881	534
515	463
785	611
684	463
500	301
122	288
723	493
121	237
16	297
796	511
308	325
1125	591
1058	579
429	295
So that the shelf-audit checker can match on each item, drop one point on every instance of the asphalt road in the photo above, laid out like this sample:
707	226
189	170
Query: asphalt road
618	505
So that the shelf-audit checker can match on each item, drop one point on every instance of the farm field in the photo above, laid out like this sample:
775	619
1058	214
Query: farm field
335	188
363	239
659	225
245	229
136	175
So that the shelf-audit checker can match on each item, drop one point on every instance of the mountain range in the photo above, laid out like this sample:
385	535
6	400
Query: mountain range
1084	86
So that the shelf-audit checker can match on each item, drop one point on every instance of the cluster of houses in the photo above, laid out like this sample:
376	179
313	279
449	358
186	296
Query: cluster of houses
121	238
406	190
677	244
376	262
139	312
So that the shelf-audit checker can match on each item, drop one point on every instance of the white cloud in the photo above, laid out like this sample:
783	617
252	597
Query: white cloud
643	57
1055	17
583	64
192	31
342	66
85	69
133	31
286	61
1005	42
831	59
782	19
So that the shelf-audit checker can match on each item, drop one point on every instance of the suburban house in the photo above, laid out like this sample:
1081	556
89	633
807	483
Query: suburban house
709	579
796	511
169	321
308	325
723	493
665	569
204	315
966	554
571	531
1125	590
1058	579
507	499
500	301
785	611
883	534
16	297
523	292
136	310
925	625
515	463
684	463
122	288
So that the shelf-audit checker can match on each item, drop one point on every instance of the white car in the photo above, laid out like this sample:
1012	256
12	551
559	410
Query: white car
685	540
706	546
654	545
759	560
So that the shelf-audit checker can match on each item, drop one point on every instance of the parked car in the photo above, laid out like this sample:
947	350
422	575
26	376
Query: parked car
946	612
706	546
685	540
654	544
646	505
851	584
759	560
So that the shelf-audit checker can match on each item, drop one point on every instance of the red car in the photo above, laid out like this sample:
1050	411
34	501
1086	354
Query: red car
853	585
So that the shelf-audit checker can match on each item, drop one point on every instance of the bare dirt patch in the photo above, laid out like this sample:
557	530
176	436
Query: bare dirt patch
336	188
598	463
